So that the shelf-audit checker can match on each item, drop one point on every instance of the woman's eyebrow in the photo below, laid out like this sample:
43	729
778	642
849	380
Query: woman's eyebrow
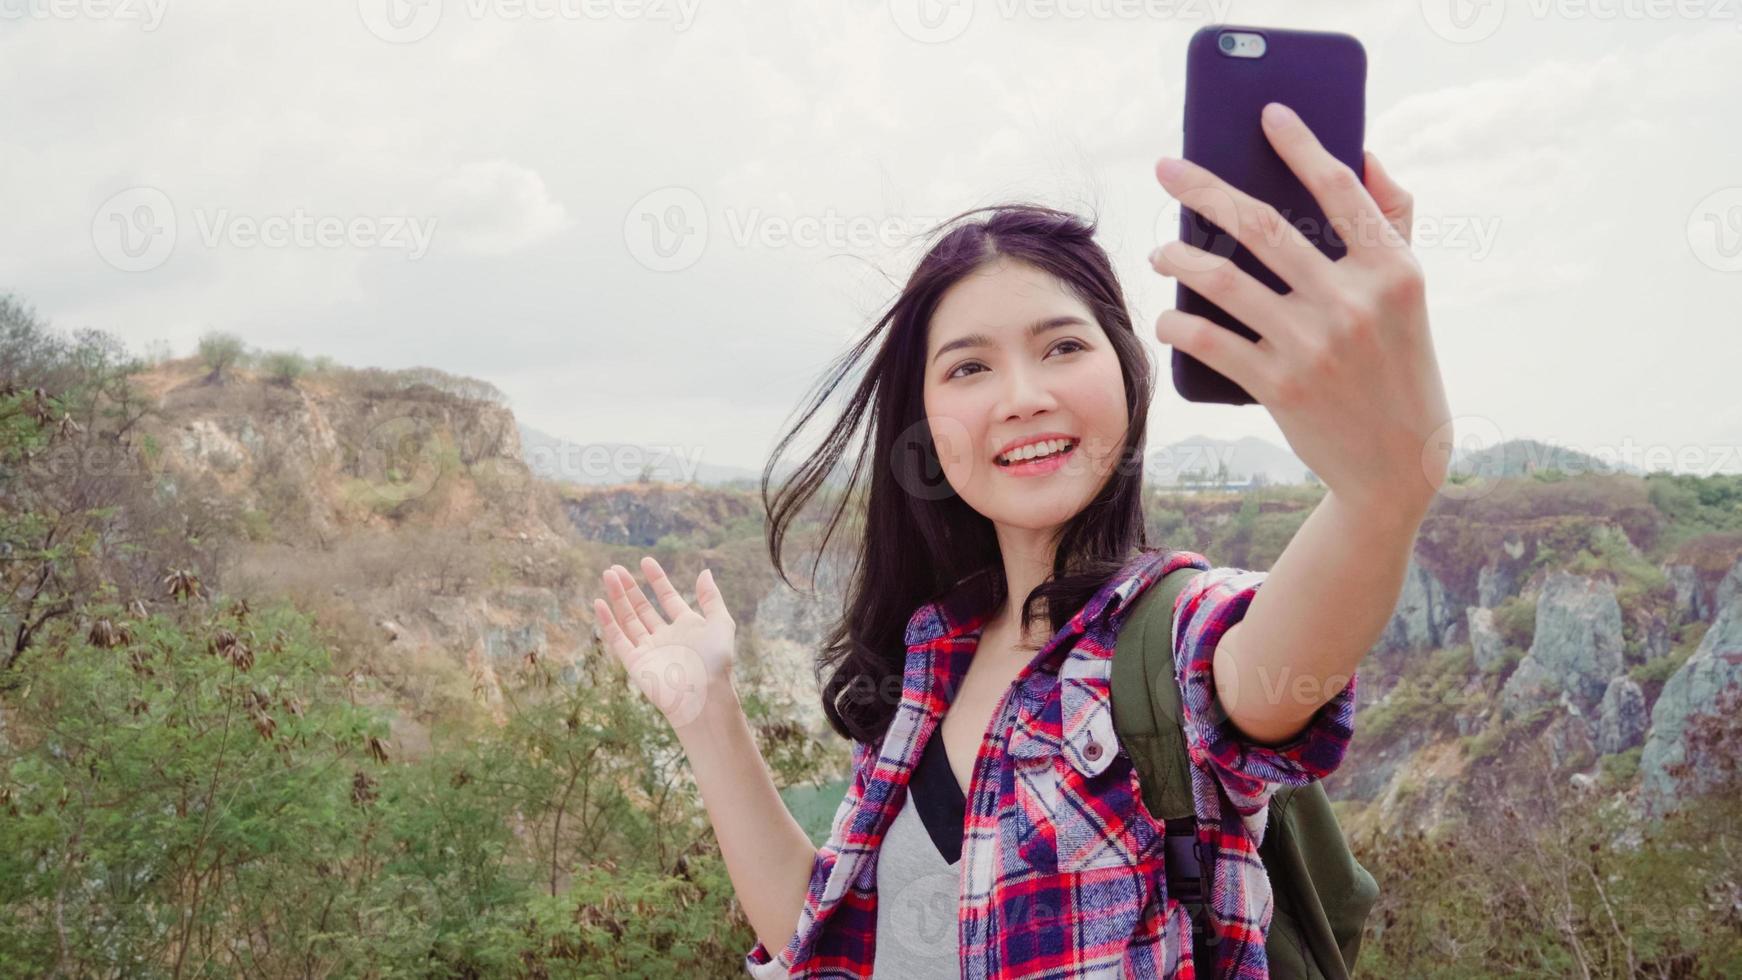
981	340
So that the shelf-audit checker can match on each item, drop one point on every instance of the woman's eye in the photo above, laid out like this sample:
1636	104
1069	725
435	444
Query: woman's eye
1076	345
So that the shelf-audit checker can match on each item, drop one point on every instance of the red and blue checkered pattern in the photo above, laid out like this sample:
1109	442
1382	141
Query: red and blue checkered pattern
1062	872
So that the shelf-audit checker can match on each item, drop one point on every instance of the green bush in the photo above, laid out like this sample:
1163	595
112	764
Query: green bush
1659	669
220	352
283	367
222	748
1549	888
1429	699
1621	768
1515	618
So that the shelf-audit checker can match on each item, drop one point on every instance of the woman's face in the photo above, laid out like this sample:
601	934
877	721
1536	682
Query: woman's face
1007	385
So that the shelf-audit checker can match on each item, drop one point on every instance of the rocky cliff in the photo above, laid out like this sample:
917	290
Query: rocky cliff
1532	623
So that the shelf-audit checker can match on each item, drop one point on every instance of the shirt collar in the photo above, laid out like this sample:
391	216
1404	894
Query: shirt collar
936	667
966	606
962	609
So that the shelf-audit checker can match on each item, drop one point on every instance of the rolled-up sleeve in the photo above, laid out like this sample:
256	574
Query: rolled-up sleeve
760	962
760	965
1249	771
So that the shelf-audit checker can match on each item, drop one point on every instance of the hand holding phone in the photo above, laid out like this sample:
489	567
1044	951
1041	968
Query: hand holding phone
1314	306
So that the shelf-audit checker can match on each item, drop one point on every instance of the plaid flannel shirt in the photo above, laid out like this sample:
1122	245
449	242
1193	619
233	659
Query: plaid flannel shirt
1062	872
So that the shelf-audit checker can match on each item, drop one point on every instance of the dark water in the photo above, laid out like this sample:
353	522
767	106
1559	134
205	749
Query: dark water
814	806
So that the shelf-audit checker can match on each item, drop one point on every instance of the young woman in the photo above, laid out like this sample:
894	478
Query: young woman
993	828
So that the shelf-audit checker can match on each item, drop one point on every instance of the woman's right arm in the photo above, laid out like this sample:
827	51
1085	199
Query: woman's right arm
767	853
681	660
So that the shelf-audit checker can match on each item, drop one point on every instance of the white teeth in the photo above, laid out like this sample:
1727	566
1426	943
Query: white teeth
1035	450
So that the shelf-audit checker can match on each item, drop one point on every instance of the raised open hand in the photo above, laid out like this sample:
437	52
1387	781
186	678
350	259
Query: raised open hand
678	660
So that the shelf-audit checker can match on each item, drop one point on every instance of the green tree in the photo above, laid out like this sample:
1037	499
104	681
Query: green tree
220	352
283	366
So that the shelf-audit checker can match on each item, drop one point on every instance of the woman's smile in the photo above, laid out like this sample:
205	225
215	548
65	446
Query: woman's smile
1040	465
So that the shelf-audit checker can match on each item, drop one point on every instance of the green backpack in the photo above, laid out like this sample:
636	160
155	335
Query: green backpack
1322	894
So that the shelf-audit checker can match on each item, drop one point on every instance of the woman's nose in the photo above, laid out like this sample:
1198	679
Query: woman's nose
1025	393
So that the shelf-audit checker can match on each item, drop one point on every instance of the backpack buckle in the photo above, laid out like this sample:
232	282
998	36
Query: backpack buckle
1189	864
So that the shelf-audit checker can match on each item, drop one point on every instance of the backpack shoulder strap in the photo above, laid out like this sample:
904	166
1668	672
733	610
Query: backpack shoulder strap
1323	895
1145	694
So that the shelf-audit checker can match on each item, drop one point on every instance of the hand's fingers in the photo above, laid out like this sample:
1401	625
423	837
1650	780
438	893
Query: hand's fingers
1253	223
649	616
1397	204
621	610
1346	203
1222	349
669	599
615	641
708	594
1227	285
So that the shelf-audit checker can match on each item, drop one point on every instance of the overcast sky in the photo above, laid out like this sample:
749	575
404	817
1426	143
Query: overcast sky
656	222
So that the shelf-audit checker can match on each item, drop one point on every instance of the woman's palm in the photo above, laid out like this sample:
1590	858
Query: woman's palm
675	659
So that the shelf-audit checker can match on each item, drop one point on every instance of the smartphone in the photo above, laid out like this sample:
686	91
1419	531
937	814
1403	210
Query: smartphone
1231	72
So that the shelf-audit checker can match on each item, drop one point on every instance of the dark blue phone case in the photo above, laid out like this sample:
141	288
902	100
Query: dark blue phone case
1322	76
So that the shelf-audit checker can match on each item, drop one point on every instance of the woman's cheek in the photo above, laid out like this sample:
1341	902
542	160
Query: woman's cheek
955	442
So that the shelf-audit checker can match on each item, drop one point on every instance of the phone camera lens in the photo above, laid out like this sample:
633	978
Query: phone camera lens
1227	42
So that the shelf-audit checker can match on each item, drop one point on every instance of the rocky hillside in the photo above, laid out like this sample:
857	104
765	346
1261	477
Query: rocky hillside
1568	625
400	508
1552	629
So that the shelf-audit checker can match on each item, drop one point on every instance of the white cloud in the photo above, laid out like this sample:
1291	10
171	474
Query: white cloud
1585	144
495	207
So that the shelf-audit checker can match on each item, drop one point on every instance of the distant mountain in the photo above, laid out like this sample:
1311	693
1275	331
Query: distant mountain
1201	459
1198	459
555	458
1521	457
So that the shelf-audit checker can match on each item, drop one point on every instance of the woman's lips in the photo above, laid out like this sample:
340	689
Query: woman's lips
1038	467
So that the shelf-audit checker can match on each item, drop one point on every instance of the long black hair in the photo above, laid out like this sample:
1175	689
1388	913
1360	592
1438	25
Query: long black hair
916	538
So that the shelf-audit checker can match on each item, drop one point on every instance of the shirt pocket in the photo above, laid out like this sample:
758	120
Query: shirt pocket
1073	823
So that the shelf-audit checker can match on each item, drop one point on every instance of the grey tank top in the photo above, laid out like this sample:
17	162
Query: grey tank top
919	876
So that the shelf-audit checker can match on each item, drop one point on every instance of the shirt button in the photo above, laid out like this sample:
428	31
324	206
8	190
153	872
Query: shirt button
1092	751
